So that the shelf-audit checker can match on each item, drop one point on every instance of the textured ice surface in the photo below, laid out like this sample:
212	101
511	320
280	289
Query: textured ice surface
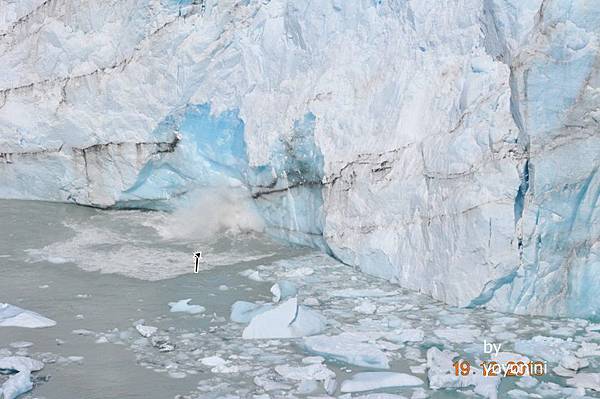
13	316
376	380
451	149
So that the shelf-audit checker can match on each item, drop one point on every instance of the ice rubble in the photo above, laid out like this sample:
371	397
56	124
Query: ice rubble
459	160
13	316
229	366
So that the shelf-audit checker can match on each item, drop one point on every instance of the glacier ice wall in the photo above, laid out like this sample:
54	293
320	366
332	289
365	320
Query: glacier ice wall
451	147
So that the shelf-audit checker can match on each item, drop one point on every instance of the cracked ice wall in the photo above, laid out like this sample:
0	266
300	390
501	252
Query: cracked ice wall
449	146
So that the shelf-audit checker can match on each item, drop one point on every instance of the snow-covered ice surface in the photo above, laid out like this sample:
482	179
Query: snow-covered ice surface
450	147
100	336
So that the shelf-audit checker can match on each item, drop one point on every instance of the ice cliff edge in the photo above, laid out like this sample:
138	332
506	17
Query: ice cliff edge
452	146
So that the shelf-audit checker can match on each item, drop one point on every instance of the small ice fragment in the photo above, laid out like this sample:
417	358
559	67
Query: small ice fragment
223	287
586	381
408	335
13	316
283	290
184	306
573	363
313	360
286	320
366	307
21	344
458	335
146	331
379	379
252	275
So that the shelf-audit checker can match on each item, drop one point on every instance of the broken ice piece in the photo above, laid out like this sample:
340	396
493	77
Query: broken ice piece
14	316
145	331
370	380
286	320
184	306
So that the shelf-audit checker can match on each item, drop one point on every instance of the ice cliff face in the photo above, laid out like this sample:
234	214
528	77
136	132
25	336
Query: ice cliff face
451	146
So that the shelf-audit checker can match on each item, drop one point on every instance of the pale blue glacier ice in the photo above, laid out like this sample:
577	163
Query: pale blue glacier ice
452	150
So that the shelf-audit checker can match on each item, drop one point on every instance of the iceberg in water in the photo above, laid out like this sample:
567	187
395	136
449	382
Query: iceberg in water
14	316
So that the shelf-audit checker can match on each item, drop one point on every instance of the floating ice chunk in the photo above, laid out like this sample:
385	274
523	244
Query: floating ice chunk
146	331
219	365
253	275
14	316
20	363
16	385
368	381
458	335
441	375
282	290
317	372
287	320
184	306
213	361
366	307
381	396
563	372
588	349
548	348
19	383
243	312
268	384
348	348
408	335
21	344
359	293
586	380
420	369
573	363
